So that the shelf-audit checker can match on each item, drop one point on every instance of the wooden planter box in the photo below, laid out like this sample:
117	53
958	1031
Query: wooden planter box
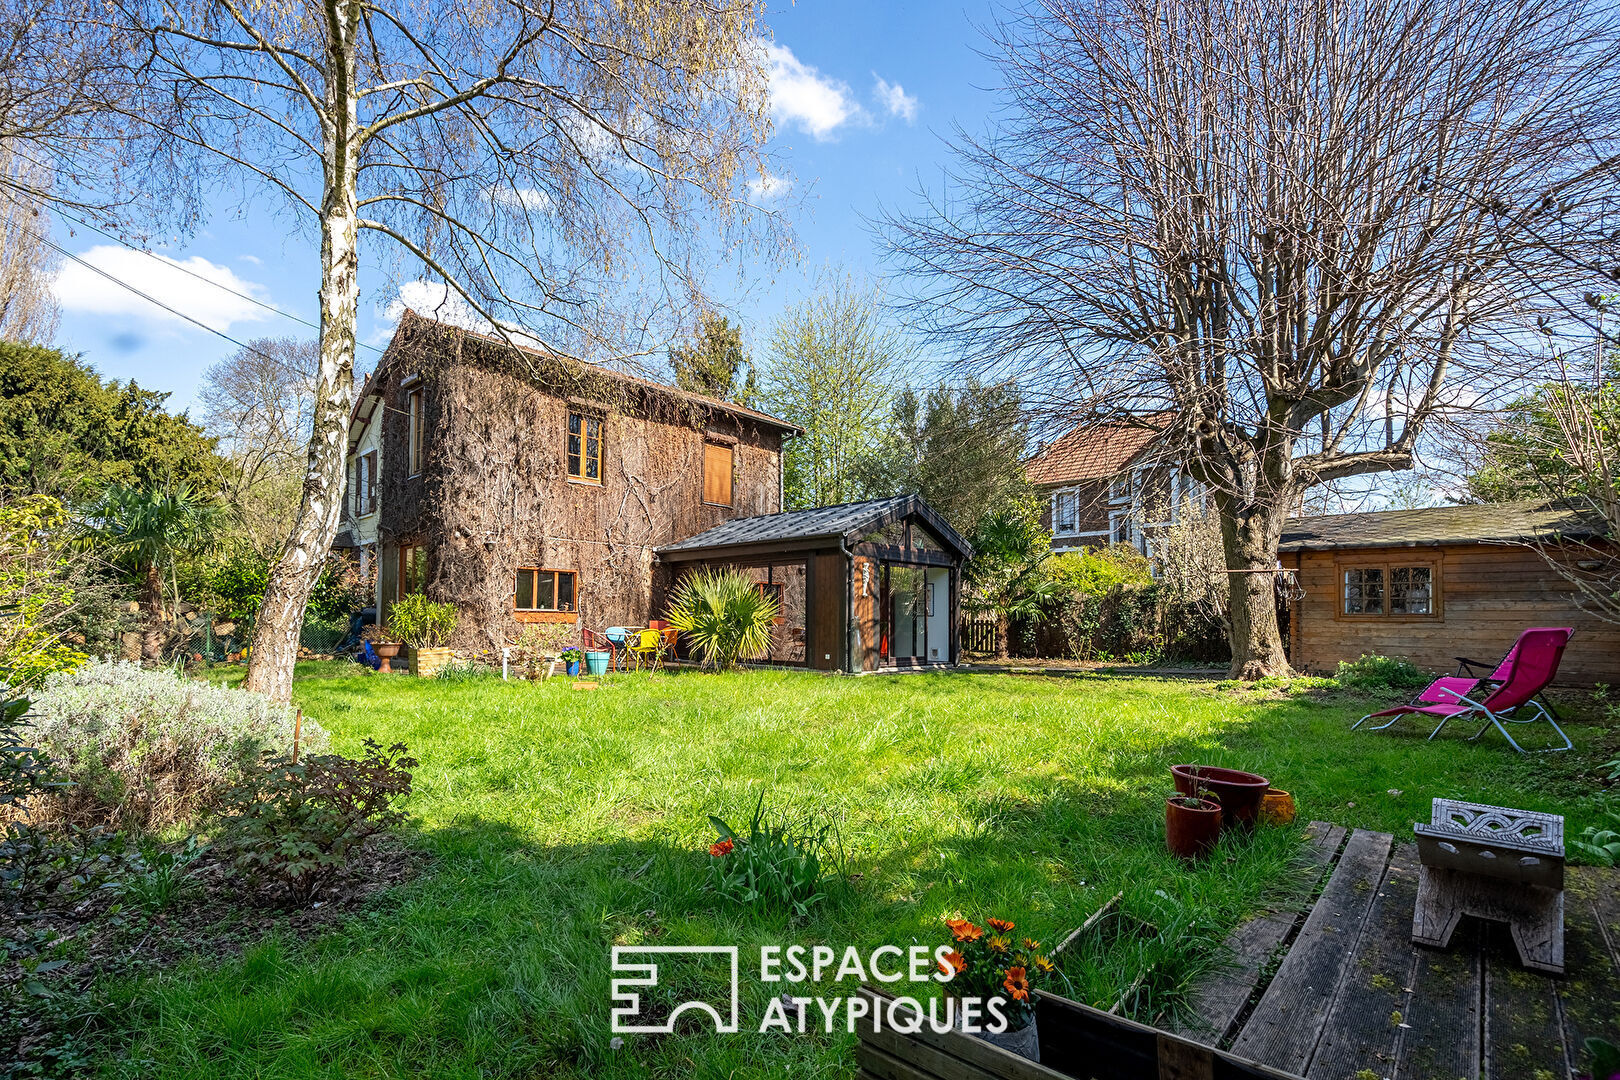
1077	1043
426	663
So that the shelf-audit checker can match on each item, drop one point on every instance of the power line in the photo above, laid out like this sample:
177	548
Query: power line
184	270
154	300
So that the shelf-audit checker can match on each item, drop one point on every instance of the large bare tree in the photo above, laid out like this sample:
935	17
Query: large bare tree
569	167
1312	228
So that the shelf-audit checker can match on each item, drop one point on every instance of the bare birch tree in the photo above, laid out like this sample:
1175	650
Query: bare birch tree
258	403
27	305
1313	228
568	168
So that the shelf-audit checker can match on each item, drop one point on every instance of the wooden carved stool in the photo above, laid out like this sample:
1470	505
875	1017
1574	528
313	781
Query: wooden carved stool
1493	863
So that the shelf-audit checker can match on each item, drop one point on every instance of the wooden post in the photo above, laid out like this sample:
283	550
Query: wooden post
298	730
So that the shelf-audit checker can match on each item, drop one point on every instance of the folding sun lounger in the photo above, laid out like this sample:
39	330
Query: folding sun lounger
1527	670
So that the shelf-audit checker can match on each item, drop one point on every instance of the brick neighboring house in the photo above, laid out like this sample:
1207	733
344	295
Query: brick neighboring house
1110	483
533	489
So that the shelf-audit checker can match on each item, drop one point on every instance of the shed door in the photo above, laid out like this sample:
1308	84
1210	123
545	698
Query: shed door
827	587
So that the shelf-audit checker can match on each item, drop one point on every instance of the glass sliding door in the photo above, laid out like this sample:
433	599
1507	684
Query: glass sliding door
906	610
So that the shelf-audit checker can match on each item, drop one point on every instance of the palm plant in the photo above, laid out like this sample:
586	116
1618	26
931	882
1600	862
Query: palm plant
1006	575
725	616
149	529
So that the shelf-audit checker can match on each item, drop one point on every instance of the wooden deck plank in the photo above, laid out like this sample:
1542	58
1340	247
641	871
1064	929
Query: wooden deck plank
1287	1024
1363	1026
1589	995
1443	1010
1523	1037
1215	1003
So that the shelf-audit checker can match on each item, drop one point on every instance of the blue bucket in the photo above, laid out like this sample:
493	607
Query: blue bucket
597	662
573	667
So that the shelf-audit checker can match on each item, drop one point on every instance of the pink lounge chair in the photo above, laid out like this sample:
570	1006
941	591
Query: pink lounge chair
1527	669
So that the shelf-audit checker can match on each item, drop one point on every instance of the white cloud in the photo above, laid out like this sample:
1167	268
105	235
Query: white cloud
801	95
768	187
254	259
529	199
894	99
201	293
435	300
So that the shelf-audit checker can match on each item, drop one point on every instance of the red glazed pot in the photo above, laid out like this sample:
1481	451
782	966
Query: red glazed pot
1239	793
1191	832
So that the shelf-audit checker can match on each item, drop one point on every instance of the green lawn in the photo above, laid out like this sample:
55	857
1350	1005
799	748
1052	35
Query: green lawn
564	822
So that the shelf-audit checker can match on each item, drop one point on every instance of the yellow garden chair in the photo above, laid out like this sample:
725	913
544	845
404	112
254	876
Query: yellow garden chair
647	647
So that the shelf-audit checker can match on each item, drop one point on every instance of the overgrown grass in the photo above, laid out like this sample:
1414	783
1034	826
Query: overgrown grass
565	822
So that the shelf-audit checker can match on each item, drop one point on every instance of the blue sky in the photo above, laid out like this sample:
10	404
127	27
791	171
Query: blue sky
860	91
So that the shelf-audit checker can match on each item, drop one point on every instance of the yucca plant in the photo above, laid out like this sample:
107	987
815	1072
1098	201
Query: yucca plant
725	616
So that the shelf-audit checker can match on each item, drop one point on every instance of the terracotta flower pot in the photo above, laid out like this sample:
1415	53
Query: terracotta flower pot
1239	793
1191	832
386	651
1276	807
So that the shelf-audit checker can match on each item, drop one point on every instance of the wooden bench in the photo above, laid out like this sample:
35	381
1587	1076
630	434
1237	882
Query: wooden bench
1494	863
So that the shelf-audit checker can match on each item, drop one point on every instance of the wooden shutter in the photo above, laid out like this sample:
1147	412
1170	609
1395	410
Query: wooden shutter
717	474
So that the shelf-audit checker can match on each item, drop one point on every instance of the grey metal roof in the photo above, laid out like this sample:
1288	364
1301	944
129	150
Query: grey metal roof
1529	519
821	522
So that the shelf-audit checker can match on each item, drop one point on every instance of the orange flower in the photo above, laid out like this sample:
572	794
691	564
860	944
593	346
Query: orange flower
1017	983
1044	966
998	944
1000	926
953	964
963	930
1032	945
722	848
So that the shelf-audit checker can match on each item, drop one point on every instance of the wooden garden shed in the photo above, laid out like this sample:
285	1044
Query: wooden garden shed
864	587
1434	584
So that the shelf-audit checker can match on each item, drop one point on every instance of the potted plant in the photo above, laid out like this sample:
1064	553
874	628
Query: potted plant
990	962
383	645
572	657
1238	792
1192	825
425	628
543	642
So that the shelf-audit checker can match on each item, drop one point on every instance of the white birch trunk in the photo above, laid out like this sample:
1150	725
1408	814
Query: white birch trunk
281	616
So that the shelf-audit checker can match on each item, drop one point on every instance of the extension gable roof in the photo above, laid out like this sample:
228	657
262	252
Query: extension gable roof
809	528
1096	451
1524	521
412	320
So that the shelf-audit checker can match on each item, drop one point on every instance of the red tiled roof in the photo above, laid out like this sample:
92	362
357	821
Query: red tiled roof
1095	451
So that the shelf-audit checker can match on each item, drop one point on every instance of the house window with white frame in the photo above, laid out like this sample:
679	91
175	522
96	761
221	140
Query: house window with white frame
365	484
1063	512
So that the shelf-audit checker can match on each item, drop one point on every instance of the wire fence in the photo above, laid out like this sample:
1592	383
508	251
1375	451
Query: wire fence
200	637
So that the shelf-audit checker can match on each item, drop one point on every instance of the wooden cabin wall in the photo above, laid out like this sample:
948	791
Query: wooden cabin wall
867	578
494	495
1487	594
